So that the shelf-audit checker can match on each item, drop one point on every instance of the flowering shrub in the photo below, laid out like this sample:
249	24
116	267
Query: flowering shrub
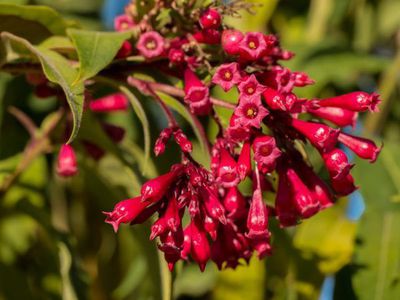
201	212
262	143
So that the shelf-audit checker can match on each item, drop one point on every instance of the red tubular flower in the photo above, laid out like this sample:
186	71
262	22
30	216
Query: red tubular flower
227	171
125	212
244	161
305	202
162	140
355	101
169	221
200	248
109	103
257	220
266	153
213	206
250	88
231	40
154	189
210	19
171	245
150	44
227	76
252	46
285	208
343	186
123	22
250	112
197	94
211	226
182	141
235	203
338	116
66	163
364	148
274	99
337	163
316	185
323	137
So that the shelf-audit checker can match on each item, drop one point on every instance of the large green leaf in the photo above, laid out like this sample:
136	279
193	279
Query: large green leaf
329	236
96	49
33	23
58	70
377	254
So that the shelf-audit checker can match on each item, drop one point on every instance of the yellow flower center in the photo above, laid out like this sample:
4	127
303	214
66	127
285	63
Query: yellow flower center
151	45
252	45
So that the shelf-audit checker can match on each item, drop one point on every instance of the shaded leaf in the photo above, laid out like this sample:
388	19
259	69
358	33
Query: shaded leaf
96	50
58	70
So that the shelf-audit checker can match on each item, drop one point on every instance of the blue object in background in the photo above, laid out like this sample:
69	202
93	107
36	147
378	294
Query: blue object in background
112	8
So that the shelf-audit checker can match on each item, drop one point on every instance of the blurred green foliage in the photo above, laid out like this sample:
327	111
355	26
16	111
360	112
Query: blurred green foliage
54	243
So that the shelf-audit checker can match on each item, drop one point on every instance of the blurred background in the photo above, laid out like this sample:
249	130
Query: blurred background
55	245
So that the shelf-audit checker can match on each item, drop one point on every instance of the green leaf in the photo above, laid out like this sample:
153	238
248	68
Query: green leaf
96	50
58	70
329	236
247	280
377	255
32	22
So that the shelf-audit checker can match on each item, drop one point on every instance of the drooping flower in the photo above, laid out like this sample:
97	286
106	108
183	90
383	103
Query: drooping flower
150	44
200	248
227	170
66	164
227	76
125	212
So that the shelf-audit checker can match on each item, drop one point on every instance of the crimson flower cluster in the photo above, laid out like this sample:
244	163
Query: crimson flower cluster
204	213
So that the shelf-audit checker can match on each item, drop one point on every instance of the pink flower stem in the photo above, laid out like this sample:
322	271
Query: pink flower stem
177	92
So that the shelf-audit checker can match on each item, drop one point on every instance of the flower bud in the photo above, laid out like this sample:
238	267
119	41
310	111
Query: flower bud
113	102
257	220
244	161
200	248
210	19
364	148
66	163
159	146
207	36
213	207
343	186
182	141
125	50
231	40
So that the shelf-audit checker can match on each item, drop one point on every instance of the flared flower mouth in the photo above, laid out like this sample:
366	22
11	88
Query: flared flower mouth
150	44
197	94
